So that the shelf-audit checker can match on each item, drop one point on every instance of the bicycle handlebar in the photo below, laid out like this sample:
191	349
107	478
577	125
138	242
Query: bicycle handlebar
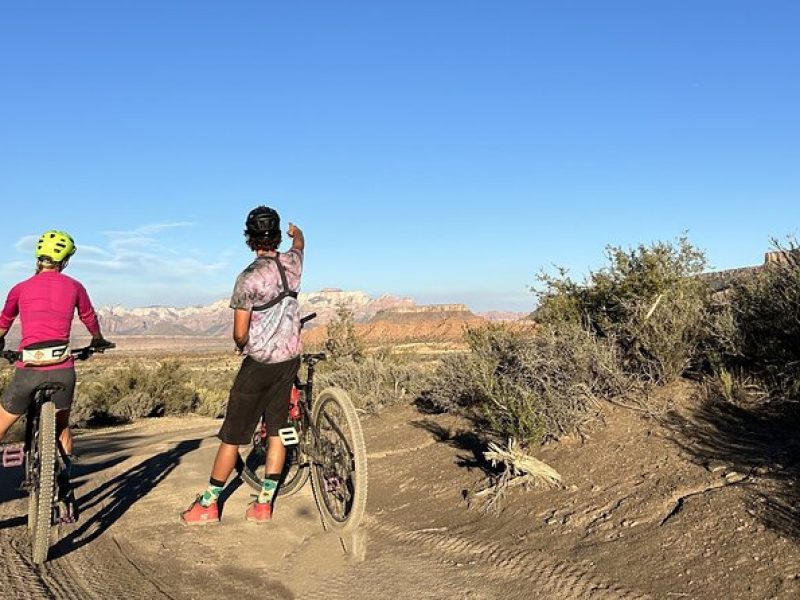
85	352
80	353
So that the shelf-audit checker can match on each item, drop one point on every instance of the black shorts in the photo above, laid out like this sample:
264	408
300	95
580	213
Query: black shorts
258	388
17	396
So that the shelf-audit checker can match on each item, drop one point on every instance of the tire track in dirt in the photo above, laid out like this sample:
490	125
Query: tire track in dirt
99	573
104	571
520	573
20	580
558	578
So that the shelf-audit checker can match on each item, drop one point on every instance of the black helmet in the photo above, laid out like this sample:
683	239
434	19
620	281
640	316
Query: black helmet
262	221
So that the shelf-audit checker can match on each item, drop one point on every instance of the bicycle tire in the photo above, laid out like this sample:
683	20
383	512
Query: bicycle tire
45	481
33	506
294	477
340	479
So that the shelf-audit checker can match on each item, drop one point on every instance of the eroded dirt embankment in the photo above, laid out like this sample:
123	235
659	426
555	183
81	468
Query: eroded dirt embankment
641	515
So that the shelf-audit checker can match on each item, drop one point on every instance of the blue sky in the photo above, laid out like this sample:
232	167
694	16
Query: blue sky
445	150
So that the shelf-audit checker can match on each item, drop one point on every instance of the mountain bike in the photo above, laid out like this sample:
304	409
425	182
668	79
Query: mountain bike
50	498
323	441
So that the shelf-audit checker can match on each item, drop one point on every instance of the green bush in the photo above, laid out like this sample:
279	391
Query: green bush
375	381
133	391
649	301
531	386
343	342
763	337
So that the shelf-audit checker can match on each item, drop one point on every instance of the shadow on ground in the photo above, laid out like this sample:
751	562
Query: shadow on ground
760	440
117	495
461	440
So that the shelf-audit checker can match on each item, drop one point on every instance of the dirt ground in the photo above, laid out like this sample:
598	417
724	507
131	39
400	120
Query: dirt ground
700	502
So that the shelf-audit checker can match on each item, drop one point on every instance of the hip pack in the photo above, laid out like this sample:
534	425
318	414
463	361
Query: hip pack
43	354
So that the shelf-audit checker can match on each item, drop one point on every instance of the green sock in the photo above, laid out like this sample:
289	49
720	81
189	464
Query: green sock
211	495
268	488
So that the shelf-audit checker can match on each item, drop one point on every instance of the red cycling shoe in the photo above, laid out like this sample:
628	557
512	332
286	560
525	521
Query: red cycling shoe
259	512
197	514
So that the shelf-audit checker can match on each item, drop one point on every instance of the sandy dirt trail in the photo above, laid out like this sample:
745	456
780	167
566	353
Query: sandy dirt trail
604	535
133	482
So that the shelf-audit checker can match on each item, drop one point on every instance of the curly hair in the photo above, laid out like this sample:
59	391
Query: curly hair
267	243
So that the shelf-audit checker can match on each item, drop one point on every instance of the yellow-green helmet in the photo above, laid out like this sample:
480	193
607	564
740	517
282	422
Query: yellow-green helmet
55	245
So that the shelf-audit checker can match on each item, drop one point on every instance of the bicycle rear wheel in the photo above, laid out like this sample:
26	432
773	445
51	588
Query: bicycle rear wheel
339	470
295	472
43	486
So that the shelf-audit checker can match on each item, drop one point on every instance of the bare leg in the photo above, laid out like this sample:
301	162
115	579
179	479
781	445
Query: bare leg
7	419
276	455
224	463
63	431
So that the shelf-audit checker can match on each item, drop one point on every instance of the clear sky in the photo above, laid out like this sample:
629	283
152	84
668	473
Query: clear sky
445	150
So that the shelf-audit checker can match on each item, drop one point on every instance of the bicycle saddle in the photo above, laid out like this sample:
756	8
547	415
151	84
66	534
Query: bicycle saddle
51	388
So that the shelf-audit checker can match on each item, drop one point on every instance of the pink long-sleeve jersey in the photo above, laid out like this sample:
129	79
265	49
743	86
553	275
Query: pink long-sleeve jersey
46	305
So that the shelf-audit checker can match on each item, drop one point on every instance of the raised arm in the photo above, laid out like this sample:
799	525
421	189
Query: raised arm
298	240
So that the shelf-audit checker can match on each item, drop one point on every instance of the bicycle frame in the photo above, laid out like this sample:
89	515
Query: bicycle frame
307	447
306	426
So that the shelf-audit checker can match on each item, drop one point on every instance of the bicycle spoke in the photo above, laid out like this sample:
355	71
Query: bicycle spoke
338	463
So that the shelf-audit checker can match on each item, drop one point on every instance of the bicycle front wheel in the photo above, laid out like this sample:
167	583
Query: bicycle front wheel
339	469
44	483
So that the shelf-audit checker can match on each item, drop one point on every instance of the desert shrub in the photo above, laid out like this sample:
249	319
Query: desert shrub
212	386
530	386
648	301
343	342
764	335
376	381
134	391
211	402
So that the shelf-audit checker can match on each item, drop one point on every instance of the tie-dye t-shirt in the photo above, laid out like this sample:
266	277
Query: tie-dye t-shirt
275	332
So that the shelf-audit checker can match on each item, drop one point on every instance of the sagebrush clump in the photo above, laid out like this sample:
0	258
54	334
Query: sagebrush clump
641	320
135	391
762	332
376	381
650	302
343	342
525	384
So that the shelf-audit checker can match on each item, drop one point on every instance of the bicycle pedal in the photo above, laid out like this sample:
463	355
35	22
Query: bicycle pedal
13	456
67	515
289	436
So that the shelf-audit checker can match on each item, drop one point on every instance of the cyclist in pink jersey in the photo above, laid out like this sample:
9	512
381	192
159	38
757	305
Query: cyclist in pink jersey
46	304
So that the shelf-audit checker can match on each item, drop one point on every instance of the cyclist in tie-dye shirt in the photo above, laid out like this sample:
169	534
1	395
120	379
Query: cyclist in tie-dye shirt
266	330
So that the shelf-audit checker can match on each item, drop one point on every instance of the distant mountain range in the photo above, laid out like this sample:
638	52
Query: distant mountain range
385	318
214	320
